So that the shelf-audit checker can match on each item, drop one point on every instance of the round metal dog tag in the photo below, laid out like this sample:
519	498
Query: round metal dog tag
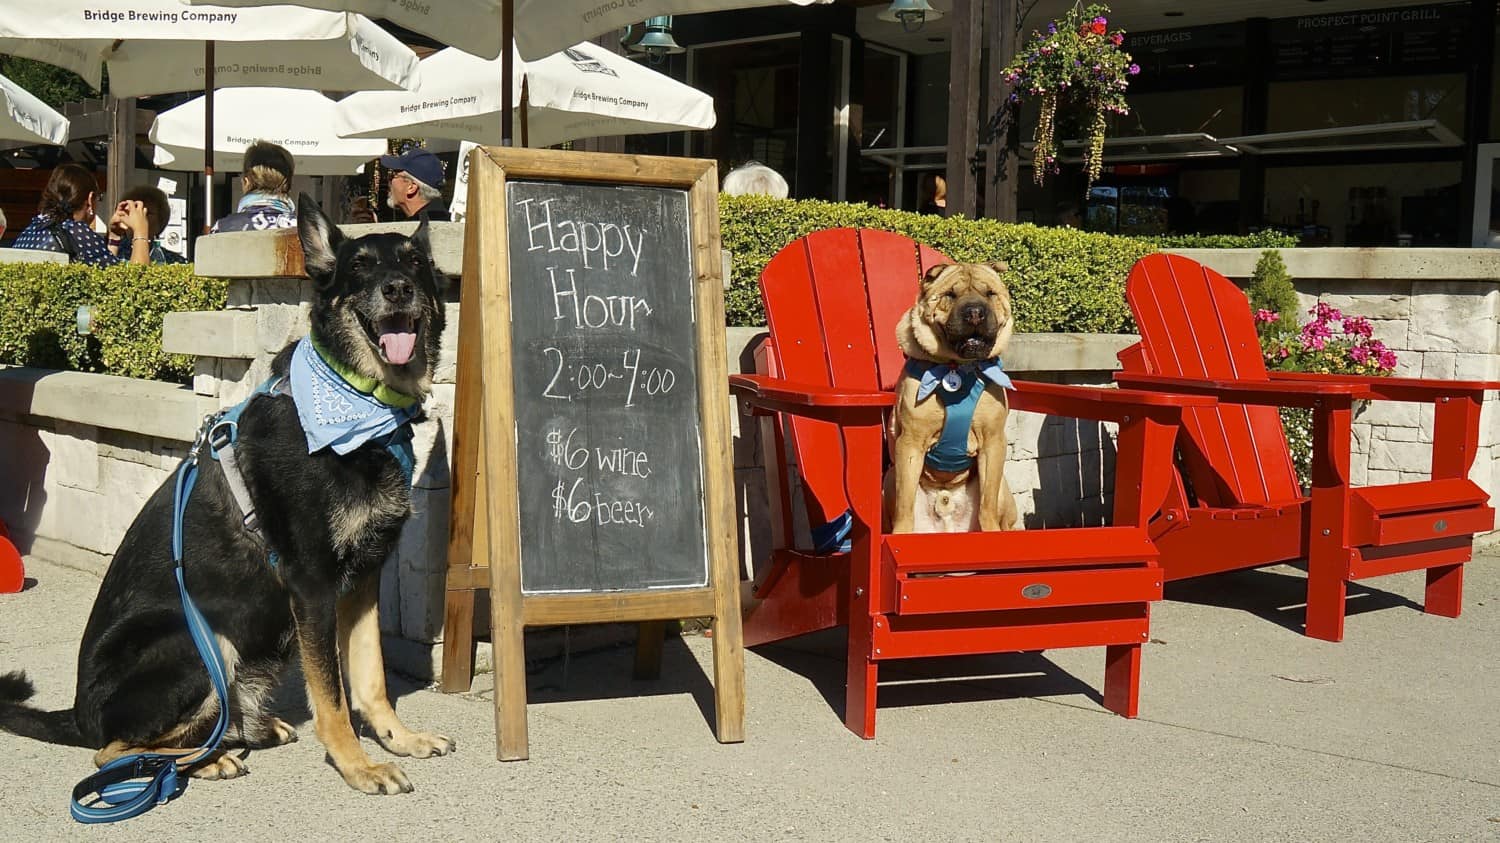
953	380
1036	591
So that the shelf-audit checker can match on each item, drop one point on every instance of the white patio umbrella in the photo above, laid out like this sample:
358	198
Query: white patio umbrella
163	46
300	121
583	91
542	26
156	46
28	119
537	28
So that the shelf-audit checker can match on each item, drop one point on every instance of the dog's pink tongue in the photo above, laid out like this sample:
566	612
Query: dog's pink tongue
398	346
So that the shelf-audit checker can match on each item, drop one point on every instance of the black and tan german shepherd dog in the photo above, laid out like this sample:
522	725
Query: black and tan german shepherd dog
332	520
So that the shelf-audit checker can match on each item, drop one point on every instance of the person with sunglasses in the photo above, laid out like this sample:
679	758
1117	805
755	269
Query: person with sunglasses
416	184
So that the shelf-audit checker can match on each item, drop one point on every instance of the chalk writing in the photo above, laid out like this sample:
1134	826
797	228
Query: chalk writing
584	238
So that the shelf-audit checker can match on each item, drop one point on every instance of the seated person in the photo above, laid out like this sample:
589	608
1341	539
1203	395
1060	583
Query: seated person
267	181
416	185
753	178
63	216
158	214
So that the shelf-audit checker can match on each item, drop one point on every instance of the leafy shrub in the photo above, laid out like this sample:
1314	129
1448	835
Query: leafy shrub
38	323
1061	279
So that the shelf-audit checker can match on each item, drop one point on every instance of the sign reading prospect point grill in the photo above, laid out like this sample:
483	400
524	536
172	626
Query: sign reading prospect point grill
592	480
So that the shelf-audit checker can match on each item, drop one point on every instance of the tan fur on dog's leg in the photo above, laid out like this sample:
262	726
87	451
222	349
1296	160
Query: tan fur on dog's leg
325	692
359	641
1010	514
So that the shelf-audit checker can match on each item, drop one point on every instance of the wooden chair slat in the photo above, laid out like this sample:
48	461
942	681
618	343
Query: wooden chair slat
1194	323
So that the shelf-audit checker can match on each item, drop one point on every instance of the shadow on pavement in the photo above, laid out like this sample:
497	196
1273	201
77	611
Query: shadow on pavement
1279	596
819	658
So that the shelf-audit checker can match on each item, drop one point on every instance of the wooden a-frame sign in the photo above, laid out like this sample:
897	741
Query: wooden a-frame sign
592	480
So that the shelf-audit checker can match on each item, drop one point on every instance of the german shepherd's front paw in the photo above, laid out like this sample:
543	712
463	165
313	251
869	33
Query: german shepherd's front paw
225	766
377	779
417	744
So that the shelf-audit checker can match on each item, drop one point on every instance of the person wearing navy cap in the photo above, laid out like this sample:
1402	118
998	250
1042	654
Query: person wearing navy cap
416	184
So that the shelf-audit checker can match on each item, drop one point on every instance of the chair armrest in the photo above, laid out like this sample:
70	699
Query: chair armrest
1101	404
1395	389
1269	393
826	403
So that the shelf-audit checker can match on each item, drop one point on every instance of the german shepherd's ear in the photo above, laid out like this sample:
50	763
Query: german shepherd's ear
932	274
419	236
320	241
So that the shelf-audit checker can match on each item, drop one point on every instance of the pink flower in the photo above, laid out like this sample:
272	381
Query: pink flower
1317	330
1387	360
1358	326
1326	312
1267	316
1285	352
1359	354
1118	38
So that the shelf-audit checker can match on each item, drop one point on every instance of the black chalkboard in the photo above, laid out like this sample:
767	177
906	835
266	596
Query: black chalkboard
608	447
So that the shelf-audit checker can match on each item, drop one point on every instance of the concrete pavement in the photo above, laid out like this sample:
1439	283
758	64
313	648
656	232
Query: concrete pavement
1249	731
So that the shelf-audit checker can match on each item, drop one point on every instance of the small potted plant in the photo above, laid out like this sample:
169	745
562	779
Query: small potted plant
1077	65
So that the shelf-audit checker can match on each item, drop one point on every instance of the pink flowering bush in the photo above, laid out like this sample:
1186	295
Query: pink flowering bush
1331	343
1077	63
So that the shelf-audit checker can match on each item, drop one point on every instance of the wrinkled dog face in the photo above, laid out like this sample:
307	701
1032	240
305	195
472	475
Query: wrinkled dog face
963	314
379	304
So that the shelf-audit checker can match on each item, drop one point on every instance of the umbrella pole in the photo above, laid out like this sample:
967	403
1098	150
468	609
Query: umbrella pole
507	69
208	135
525	106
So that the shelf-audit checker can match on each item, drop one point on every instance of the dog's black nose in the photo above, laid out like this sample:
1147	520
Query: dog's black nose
398	292
974	314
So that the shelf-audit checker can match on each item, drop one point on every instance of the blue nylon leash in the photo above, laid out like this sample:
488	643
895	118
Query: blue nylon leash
134	784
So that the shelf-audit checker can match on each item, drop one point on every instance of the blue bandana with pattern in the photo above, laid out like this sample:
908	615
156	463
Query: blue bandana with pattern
333	413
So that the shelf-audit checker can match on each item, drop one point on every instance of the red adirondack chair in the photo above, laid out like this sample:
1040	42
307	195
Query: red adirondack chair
1244	507
829	367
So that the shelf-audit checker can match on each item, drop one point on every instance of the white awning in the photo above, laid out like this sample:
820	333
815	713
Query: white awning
1409	134
1143	148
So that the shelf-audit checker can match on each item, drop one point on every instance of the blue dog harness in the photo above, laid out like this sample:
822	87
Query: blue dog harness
958	387
961	386
343	419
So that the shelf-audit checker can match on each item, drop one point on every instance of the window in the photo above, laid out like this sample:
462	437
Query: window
1336	103
1366	205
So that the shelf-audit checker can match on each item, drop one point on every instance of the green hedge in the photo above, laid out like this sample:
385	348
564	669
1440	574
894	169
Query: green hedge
1061	279
39	304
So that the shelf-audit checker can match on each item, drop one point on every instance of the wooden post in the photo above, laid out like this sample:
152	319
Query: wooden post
1001	169
120	166
208	135
963	107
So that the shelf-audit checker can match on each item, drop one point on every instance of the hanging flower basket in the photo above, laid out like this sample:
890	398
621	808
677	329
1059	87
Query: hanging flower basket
1077	67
